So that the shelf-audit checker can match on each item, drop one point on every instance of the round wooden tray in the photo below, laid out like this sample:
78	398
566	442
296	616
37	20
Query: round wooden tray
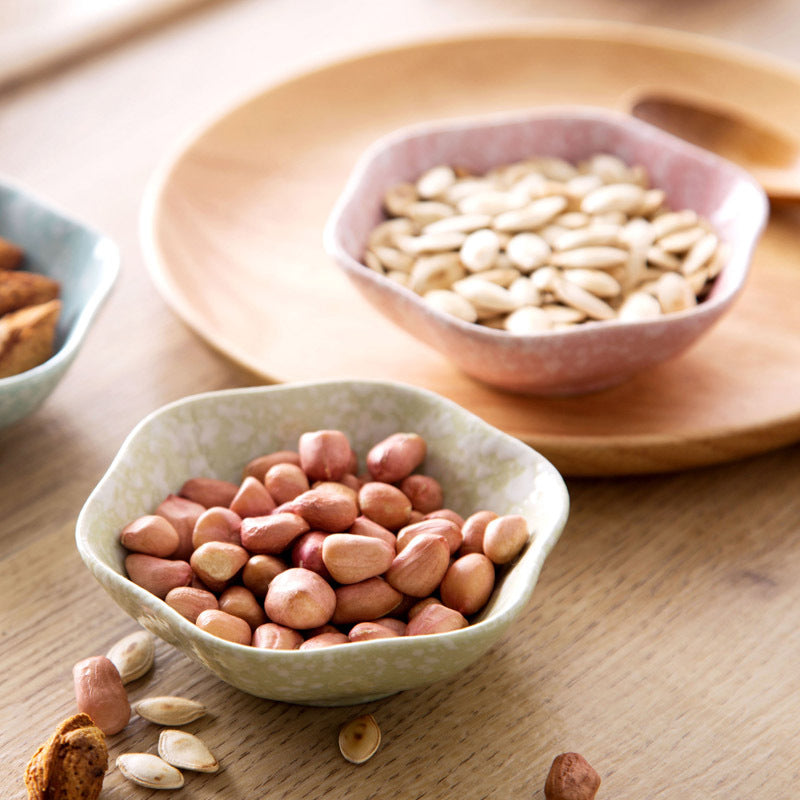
232	229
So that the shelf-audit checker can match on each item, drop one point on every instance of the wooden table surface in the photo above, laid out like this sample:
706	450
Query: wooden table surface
663	639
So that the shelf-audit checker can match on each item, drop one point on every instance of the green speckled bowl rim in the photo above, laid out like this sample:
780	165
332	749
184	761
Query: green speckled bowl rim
346	674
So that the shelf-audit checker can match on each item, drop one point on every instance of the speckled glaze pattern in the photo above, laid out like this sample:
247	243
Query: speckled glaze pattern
85	262
591	356
215	434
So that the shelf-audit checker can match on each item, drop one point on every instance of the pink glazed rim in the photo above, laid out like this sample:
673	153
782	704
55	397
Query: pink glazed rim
590	356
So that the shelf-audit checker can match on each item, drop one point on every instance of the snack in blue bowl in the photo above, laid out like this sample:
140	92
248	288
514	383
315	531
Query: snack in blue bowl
62	272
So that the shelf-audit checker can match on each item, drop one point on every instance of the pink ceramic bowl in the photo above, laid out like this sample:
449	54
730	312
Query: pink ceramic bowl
587	357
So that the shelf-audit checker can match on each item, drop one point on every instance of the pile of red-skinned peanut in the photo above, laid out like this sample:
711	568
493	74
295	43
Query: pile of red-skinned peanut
304	553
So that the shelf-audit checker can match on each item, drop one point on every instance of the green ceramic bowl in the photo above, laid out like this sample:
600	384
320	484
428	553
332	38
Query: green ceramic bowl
215	434
85	262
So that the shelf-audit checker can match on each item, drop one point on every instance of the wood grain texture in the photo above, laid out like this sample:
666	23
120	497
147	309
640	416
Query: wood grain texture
662	639
661	642
232	231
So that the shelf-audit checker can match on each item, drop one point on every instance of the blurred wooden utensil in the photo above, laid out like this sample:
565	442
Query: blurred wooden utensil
769	153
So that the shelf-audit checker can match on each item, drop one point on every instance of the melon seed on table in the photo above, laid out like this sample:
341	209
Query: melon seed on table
543	244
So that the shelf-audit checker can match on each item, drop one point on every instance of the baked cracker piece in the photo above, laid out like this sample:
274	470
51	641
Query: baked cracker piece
19	289
71	764
10	255
26	337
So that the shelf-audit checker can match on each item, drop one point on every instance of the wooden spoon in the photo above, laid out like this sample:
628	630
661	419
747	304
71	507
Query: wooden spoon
769	153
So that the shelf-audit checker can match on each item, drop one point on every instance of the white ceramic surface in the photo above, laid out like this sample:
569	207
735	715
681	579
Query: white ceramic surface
590	356
215	434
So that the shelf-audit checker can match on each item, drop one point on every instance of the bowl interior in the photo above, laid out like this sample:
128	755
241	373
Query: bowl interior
217	433
86	264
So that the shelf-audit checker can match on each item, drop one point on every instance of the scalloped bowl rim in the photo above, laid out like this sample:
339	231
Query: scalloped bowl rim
495	623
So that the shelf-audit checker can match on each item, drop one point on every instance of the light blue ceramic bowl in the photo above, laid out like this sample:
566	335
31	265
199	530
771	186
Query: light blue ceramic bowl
216	434
85	262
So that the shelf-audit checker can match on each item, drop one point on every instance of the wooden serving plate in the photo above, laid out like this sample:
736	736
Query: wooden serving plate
232	228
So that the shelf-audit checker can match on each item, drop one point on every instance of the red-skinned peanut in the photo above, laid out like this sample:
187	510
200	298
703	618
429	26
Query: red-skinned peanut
258	572
252	499
435	618
419	568
350	559
468	583
424	492
363	526
242	603
216	563
257	467
324	640
284	482
368	599
307	553
473	529
100	693
217	524
396	457
150	534
365	631
326	508
299	598
384	504
446	513
270	636
272	533
226	626
182	514
505	537
209	491
189	601
157	575
324	455
441	527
